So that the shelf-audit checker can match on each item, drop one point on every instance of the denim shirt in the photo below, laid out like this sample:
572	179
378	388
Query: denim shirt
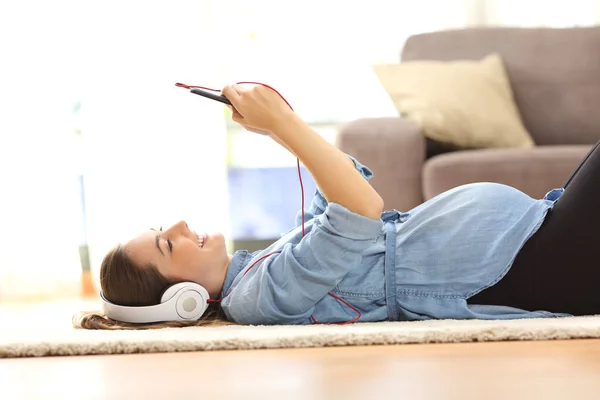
417	265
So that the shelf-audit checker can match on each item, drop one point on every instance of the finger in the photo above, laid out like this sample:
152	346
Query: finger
231	108
241	89
237	117
236	113
231	94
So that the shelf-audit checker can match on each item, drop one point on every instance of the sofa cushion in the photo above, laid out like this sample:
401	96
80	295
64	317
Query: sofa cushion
534	171
554	74
465	103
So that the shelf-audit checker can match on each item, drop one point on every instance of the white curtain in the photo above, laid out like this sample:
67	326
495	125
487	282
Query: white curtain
155	154
150	153
38	193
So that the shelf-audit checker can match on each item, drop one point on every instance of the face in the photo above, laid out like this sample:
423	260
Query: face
181	254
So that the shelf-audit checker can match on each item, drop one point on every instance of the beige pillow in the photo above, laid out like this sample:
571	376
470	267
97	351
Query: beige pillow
466	103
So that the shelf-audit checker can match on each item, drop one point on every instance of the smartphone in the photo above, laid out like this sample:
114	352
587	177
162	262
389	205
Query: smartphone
210	95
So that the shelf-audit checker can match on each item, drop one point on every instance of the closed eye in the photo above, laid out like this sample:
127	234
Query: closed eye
169	243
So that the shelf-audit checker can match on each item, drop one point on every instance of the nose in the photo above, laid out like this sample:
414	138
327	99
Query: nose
179	227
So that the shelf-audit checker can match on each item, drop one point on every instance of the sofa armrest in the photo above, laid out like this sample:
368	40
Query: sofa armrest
533	171
394	149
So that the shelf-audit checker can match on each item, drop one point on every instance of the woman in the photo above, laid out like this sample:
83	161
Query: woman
484	250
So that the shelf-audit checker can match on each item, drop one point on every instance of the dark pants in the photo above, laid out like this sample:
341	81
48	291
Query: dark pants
558	269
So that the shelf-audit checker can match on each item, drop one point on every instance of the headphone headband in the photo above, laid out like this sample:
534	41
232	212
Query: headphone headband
185	301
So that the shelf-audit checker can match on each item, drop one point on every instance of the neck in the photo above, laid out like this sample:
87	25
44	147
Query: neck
217	292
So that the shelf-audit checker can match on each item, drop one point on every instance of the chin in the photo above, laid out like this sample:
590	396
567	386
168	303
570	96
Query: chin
218	241
219	236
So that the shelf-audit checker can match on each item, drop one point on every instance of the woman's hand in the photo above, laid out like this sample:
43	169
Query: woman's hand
237	117
257	108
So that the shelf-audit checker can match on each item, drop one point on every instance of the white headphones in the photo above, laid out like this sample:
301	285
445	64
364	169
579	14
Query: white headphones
185	301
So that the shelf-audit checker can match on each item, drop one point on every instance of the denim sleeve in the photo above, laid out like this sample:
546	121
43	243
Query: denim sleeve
284	288
318	203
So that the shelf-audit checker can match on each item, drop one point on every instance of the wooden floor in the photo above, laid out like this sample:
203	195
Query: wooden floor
504	370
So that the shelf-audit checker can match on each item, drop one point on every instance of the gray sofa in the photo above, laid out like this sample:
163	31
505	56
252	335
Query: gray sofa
555	77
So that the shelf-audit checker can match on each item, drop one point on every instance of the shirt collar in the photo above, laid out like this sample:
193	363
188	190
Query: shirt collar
238	262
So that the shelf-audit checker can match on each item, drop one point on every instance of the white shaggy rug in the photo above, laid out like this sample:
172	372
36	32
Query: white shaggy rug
32	337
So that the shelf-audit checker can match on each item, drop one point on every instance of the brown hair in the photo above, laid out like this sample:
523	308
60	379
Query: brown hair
127	284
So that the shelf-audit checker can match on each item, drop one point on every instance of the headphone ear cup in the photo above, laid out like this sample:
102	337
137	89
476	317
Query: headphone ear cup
172	291
189	299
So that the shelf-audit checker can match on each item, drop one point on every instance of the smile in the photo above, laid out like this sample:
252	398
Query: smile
201	239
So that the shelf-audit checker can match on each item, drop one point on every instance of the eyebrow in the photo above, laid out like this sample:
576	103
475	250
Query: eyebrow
158	246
